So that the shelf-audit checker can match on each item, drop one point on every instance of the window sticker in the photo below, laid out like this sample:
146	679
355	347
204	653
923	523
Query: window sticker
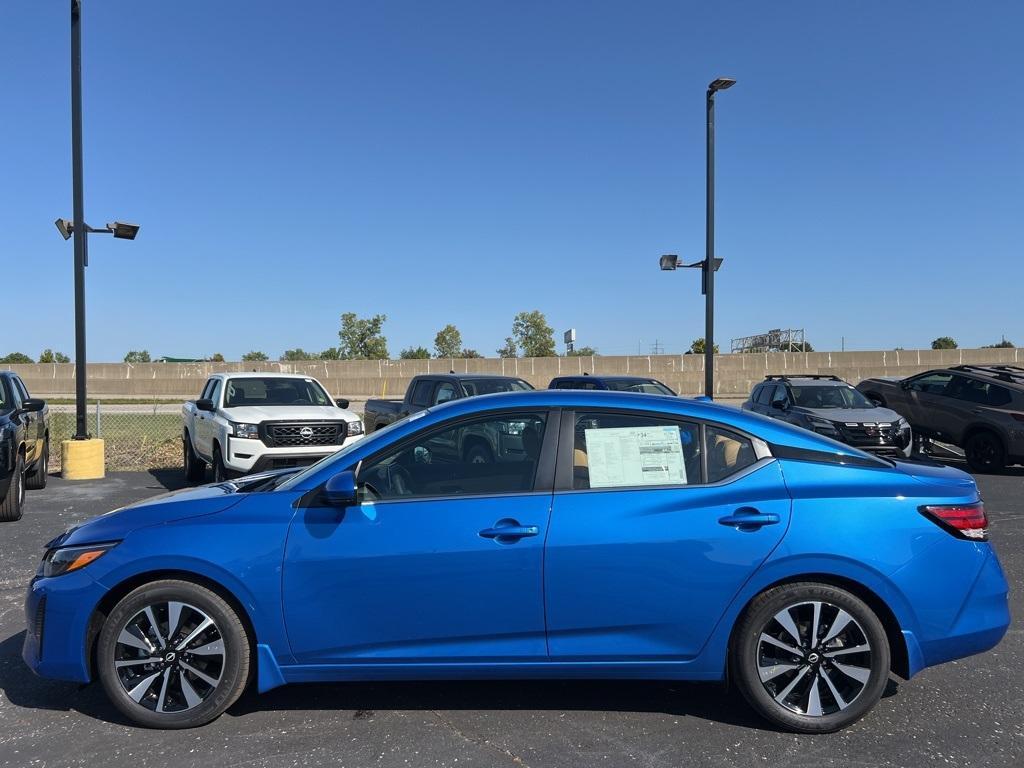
625	456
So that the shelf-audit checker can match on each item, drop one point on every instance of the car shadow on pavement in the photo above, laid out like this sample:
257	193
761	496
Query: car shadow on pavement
170	479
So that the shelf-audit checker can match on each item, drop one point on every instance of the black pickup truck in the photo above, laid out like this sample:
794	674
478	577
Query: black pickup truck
434	389
24	444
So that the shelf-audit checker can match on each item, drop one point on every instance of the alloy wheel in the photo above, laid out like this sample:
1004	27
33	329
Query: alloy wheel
814	658
169	657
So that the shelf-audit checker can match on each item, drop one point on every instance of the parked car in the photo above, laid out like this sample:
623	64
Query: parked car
829	406
636	537
249	422
643	384
24	445
979	408
434	389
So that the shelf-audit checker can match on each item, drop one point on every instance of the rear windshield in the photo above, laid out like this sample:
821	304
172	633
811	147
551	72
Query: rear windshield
271	390
647	386
817	396
490	386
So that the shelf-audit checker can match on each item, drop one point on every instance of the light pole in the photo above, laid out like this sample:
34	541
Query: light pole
77	227
719	84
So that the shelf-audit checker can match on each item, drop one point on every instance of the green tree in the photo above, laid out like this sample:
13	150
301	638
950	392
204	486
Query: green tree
1004	344
944	342
361	338
533	334
49	356
448	341
137	356
331	353
16	358
293	355
508	349
697	348
254	356
468	354
414	353
216	357
582	352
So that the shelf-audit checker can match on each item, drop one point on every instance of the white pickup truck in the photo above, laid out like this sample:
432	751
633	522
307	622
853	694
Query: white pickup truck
251	422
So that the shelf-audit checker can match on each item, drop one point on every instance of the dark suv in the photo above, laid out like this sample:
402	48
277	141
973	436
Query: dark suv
831	407
24	444
644	384
979	408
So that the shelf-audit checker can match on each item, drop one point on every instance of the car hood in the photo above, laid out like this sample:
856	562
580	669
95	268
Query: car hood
166	508
254	414
854	415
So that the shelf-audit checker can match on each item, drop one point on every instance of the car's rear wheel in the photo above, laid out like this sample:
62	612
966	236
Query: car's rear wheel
984	452
12	504
36	479
195	468
173	654
811	658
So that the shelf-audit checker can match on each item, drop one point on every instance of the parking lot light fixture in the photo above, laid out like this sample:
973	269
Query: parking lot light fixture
123	231
668	262
721	84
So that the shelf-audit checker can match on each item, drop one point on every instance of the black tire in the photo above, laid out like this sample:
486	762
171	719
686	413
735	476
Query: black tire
220	473
13	503
177	686
837	693
479	453
195	468
36	479
985	452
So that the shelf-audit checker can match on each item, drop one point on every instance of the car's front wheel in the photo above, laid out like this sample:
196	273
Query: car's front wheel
12	504
173	654
811	658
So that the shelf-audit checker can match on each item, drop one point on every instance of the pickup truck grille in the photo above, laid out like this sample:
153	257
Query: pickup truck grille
303	433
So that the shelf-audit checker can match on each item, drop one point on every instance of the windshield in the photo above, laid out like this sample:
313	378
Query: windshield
293	480
647	386
490	386
817	396
273	390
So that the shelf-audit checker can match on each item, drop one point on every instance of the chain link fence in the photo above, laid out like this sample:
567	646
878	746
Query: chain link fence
137	437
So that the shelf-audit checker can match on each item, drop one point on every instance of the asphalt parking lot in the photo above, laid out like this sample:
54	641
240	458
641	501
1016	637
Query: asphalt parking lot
969	713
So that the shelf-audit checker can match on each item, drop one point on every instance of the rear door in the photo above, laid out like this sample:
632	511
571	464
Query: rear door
656	524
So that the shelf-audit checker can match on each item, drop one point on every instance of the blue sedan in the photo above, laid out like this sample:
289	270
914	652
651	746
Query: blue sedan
551	534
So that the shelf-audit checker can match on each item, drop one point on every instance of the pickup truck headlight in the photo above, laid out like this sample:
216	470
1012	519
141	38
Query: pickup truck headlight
354	428
823	426
57	562
249	431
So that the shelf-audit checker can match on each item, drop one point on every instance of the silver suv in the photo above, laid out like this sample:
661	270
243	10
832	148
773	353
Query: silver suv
831	407
977	407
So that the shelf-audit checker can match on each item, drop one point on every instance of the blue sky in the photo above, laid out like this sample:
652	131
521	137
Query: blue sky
461	161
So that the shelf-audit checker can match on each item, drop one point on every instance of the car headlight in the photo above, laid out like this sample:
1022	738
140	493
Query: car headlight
821	425
250	431
57	562
902	424
354	428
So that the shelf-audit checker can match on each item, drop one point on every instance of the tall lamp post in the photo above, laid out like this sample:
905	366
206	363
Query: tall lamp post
77	227
710	264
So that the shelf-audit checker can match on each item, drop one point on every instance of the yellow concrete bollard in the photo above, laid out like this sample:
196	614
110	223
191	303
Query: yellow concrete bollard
82	459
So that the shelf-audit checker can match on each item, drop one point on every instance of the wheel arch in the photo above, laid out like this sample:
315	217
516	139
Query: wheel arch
114	595
979	427
899	654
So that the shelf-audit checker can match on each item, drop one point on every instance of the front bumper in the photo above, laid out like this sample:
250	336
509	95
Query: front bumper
57	613
246	456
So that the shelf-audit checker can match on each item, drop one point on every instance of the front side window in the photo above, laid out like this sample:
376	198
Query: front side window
490	386
647	386
489	455
445	392
20	386
271	390
421	393
764	395
728	453
207	389
620	450
933	383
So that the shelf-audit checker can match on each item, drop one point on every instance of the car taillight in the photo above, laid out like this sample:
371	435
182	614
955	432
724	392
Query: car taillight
967	521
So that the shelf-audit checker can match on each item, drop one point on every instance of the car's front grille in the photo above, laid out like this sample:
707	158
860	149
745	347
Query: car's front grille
871	433
302	434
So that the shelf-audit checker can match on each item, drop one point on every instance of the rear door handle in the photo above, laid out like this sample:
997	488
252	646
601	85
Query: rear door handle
749	519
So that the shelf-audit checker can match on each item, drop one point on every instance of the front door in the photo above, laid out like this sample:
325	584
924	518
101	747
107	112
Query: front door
440	562
660	530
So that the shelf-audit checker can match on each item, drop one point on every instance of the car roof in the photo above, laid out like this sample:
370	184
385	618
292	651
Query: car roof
602	377
467	376
261	375
804	380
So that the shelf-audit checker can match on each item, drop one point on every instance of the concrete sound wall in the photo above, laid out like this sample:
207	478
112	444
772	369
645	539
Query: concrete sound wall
736	374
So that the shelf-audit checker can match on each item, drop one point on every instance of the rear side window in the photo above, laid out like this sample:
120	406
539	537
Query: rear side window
998	396
619	450
728	453
421	394
445	392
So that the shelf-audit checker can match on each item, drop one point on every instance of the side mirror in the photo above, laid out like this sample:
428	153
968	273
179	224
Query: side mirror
779	404
904	384
342	402
33	405
204	404
340	490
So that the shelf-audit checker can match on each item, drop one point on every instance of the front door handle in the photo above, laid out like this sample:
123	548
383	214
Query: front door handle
507	531
749	519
